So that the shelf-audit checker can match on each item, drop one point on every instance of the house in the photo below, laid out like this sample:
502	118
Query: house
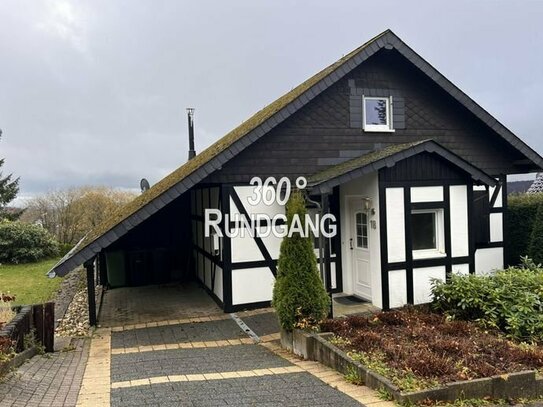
413	170
537	185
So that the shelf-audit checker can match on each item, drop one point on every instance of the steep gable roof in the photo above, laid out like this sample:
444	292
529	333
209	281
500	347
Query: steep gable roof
327	179
251	130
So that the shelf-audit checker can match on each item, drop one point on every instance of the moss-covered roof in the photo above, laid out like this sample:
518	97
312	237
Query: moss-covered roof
325	180
212	151
188	168
358	162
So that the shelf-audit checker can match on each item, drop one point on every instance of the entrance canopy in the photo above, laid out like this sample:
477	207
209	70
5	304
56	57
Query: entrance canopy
325	181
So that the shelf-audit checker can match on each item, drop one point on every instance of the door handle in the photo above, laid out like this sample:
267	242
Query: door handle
351	243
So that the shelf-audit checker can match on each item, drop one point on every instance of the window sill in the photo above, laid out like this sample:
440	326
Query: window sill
377	130
428	254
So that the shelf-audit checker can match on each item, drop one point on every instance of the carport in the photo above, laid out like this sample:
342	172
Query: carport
147	273
155	303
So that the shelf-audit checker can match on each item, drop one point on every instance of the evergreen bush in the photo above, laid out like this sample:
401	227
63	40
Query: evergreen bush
299	297
25	243
510	300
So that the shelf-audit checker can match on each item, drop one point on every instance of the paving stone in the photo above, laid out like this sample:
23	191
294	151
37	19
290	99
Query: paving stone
47	380
191	332
261	324
192	361
295	389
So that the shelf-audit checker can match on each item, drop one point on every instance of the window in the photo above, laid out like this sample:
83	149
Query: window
377	114
427	233
362	230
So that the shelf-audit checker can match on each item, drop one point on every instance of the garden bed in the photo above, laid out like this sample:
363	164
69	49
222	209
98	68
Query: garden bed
416	349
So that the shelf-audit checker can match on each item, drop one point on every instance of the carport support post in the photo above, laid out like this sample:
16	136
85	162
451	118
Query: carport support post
89	266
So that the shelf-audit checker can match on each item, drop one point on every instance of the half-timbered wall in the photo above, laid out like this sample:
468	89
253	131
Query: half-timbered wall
424	183
207	259
489	255
254	259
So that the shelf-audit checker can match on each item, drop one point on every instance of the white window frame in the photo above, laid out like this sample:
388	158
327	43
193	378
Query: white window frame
378	127
439	250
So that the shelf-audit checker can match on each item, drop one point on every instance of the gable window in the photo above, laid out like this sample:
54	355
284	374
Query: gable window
427	233
377	114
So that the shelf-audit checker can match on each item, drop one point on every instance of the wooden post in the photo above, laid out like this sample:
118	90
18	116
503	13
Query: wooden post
38	320
49	327
89	266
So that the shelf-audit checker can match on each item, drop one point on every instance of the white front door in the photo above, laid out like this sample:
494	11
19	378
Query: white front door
359	245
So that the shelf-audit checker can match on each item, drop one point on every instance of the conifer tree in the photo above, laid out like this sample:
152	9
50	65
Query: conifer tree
298	294
9	188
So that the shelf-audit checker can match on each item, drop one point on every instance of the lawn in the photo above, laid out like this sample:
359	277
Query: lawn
28	282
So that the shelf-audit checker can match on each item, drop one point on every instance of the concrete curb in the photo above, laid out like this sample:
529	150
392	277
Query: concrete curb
17	360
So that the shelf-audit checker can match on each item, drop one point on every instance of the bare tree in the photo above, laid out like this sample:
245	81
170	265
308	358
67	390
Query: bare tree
69	214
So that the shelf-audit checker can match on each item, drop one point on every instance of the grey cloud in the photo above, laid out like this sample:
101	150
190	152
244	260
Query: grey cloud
94	92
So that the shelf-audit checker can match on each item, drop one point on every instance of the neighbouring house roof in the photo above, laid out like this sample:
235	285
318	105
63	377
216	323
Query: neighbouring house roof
212	158
537	185
324	181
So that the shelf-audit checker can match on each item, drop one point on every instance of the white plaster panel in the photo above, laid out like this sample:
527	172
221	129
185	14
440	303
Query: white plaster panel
395	224
334	277
498	203
459	220
246	192
427	194
252	285
460	269
218	283
397	284
488	260
496	227
245	249
422	282
272	243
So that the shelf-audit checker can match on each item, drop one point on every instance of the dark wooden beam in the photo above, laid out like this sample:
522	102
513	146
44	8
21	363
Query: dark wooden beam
89	266
325	208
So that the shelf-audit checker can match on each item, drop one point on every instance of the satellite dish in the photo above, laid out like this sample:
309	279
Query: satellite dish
144	185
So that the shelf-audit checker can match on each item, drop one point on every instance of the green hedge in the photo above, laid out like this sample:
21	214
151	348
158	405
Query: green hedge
519	225
25	243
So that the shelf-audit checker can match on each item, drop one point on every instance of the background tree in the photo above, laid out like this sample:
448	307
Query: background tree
9	188
299	294
70	213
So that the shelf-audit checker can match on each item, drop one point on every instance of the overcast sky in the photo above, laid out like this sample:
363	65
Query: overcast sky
94	92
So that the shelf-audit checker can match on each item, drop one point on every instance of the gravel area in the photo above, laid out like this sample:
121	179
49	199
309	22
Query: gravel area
72	283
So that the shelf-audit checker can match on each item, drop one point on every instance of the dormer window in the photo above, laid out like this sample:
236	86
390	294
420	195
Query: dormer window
377	114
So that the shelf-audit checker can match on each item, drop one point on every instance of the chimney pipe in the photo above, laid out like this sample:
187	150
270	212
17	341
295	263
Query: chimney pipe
190	117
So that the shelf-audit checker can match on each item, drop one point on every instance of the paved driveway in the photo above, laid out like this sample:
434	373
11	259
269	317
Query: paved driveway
208	361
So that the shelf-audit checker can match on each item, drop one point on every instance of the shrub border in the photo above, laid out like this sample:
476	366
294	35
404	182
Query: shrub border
312	346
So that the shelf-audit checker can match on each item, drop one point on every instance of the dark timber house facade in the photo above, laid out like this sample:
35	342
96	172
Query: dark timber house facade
412	168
